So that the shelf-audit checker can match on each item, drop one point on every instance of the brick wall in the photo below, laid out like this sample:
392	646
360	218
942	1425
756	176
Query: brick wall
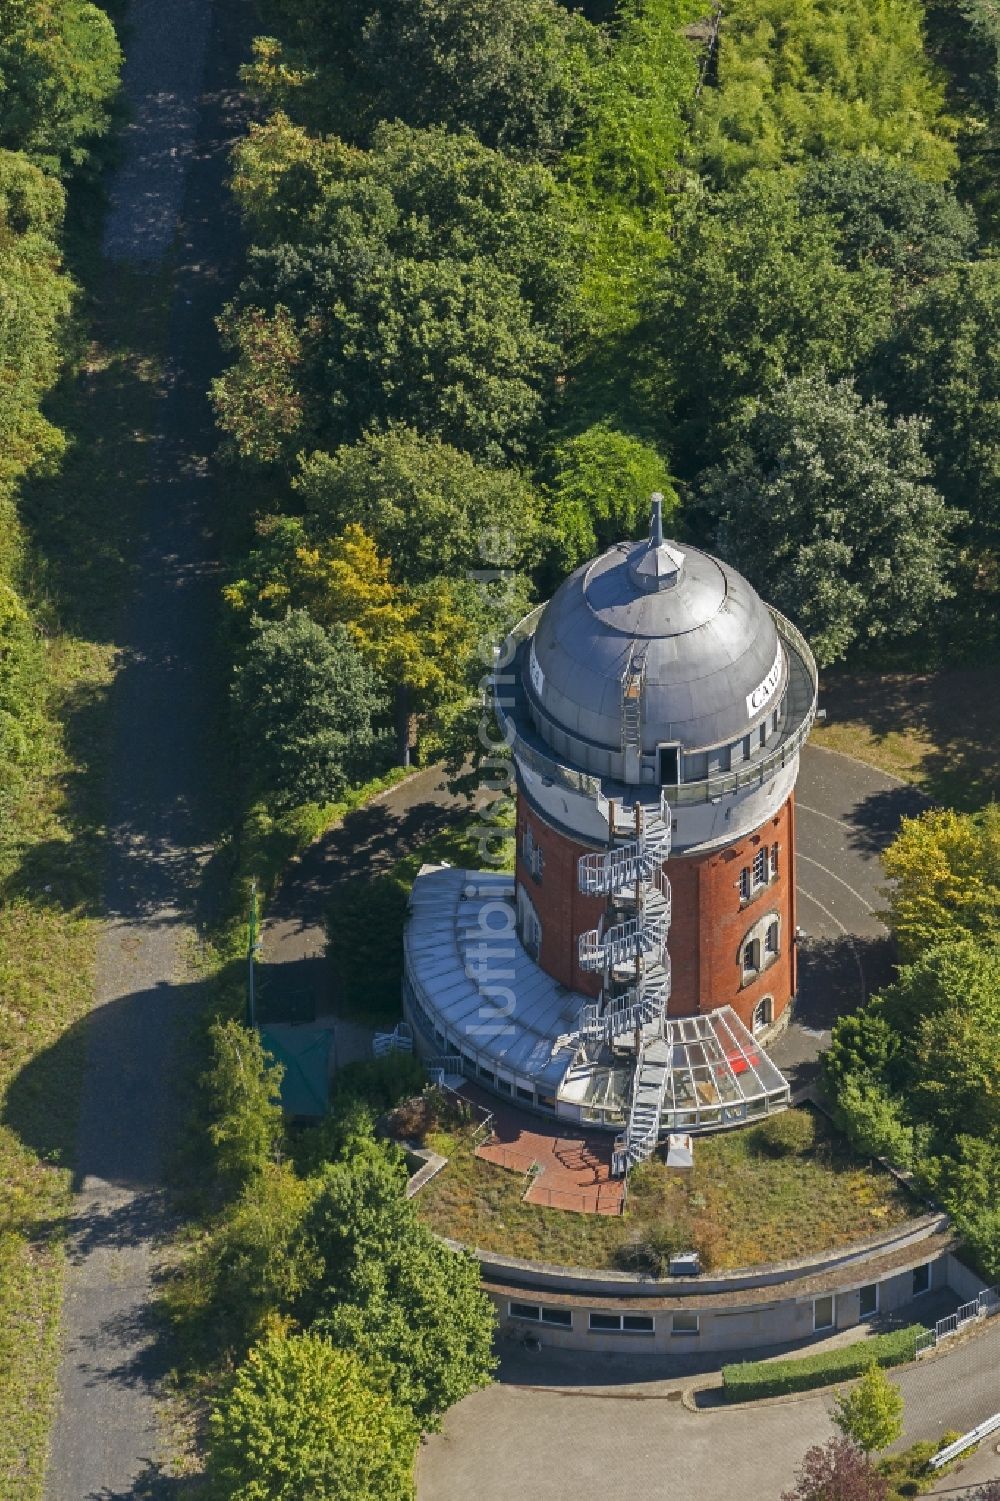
708	926
563	911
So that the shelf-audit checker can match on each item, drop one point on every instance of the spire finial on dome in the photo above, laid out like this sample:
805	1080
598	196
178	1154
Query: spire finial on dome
654	564
656	520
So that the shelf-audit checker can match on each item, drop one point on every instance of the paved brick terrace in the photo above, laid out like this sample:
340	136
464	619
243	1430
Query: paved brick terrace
575	1168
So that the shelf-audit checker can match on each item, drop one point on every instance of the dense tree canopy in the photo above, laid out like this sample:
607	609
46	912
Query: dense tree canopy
754	292
428	281
390	1291
806	78
944	363
305	698
513	71
887	214
59	64
300	1420
428	507
826	506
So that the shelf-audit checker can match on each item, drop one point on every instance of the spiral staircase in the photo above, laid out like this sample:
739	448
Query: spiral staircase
629	948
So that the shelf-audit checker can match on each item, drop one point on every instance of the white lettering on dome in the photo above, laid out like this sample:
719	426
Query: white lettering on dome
764	691
537	675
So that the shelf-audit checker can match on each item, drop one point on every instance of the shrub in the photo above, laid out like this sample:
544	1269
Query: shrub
752	1379
303	1419
381	1084
791	1133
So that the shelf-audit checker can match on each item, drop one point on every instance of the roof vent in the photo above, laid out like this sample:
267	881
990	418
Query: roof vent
655	565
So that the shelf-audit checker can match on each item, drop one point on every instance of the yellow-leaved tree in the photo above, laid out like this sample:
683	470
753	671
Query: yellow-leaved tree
944	869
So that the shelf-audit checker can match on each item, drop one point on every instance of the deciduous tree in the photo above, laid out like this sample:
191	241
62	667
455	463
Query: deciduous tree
304	698
59	66
944	874
887	214
428	508
389	1290
513	71
826	505
599	492
871	1413
753	293
806	78
241	1091
837	1471
303	1419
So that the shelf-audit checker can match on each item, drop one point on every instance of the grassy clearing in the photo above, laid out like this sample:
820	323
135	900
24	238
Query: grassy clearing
740	1204
937	730
366	918
80	531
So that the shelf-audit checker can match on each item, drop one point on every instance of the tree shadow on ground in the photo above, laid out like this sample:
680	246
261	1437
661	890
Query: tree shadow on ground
154	1484
368	843
875	819
955	714
835	977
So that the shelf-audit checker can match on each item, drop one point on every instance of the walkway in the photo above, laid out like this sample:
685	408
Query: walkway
599	1443
105	1442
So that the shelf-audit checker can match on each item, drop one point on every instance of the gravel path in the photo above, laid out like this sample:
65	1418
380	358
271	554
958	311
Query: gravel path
162	79
105	1442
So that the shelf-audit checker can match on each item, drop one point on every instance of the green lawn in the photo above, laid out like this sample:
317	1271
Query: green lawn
938	730
739	1205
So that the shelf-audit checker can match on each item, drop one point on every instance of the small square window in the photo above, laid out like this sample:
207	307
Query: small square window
606	1321
685	1323
561	1316
869	1300
823	1313
637	1323
525	1094
921	1279
524	1311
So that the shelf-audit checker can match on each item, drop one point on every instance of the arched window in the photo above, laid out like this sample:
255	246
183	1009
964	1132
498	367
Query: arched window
760	947
763	1012
751	957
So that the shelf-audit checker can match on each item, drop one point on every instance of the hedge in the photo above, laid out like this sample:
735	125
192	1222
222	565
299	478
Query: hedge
774	1378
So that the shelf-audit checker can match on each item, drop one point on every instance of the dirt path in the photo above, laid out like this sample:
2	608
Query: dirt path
105	1442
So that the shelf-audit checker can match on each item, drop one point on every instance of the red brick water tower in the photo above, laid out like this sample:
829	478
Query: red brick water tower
656	708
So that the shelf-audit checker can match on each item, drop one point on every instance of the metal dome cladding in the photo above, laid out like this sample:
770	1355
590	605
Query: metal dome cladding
712	666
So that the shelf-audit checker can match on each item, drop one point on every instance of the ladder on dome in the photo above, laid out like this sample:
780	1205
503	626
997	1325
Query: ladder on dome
632	683
631	953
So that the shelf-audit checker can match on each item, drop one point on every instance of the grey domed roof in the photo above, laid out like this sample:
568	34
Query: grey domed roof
712	664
